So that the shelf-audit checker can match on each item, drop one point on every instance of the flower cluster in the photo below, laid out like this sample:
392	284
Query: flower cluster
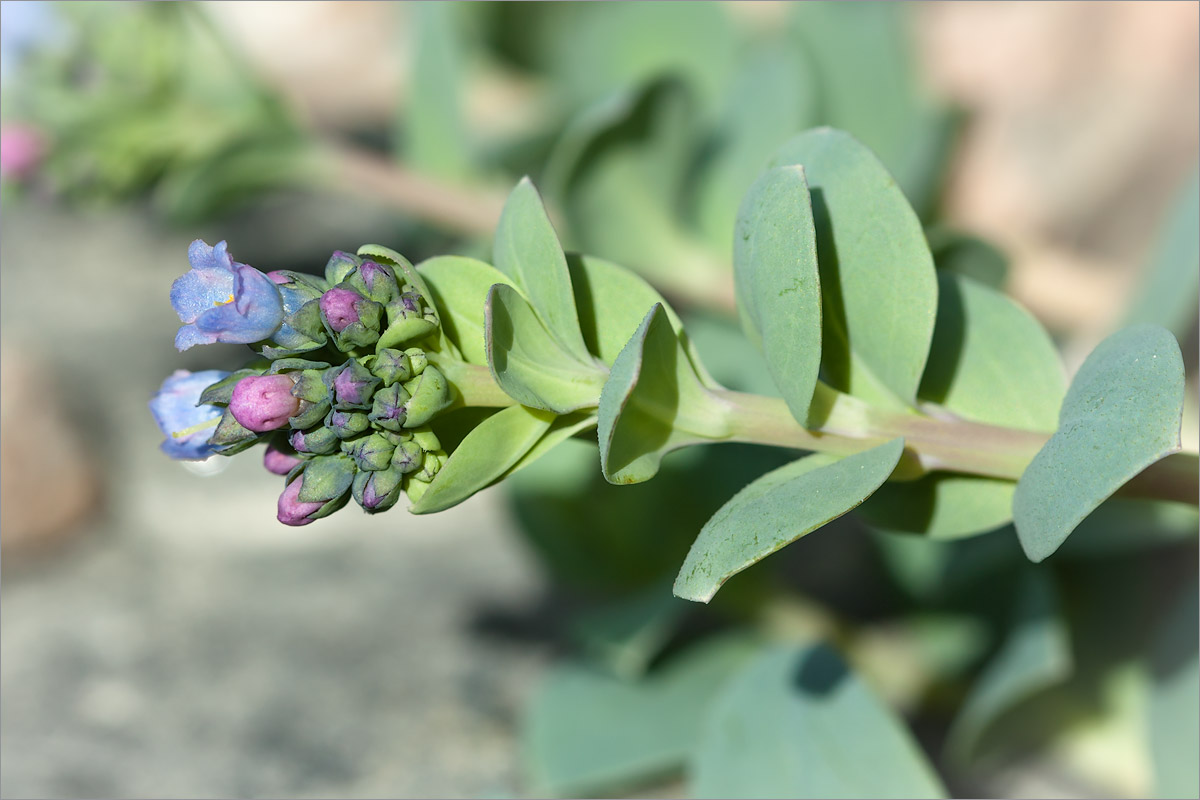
341	392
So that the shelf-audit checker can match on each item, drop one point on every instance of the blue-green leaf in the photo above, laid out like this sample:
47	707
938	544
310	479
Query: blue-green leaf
587	732
778	283
459	288
435	139
1121	414
796	723
652	403
611	301
1168	292
486	453
1174	698
877	276
772	97
990	360
941	505
528	363
776	510
527	250
1036	655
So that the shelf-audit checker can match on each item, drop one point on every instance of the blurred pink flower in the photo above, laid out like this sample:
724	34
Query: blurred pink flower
21	150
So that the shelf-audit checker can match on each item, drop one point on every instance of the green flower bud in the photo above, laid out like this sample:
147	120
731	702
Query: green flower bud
432	465
346	424
430	396
392	366
374	280
418	358
377	491
231	437
427	439
310	386
408	457
387	409
326	478
351	385
372	452
320	441
339	266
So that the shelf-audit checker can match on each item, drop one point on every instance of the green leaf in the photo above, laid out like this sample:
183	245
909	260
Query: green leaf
1036	655
459	289
563	428
652	403
1126	526
528	363
1175	695
778	283
880	100
967	255
1121	414
796	723
1168	294
596	49
990	360
527	250
877	275
610	300
619	174
626	635
941	505
635	730
483	456
772	97
435	138
776	510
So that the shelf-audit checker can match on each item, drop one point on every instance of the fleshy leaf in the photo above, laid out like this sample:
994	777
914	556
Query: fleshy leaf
652	403
776	510
1036	655
1173	724
635	731
796	723
772	97
990	360
528	252
1121	414
778	284
941	505
877	276
528	363
483	456
459	289
611	299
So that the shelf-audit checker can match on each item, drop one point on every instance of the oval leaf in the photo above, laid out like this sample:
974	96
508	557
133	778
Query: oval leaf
776	510
526	249
484	455
1121	414
459	288
610	299
778	284
876	271
990	360
528	363
637	730
941	505
652	403
797	723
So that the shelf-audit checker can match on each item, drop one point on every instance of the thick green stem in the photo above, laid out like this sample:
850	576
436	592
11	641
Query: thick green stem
845	425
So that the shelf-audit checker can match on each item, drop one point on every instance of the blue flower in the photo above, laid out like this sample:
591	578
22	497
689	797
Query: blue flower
220	300
188	426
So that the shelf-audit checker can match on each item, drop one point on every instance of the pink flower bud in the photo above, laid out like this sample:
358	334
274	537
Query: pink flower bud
291	510
263	402
340	307
279	461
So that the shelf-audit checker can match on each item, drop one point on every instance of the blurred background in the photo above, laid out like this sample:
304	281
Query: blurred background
163	635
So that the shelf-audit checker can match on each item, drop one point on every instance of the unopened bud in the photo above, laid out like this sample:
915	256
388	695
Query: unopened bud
263	402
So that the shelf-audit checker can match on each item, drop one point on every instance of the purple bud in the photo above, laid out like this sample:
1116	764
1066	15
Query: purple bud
353	386
263	402
297	442
279	461
278	276
378	279
340	307
291	510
